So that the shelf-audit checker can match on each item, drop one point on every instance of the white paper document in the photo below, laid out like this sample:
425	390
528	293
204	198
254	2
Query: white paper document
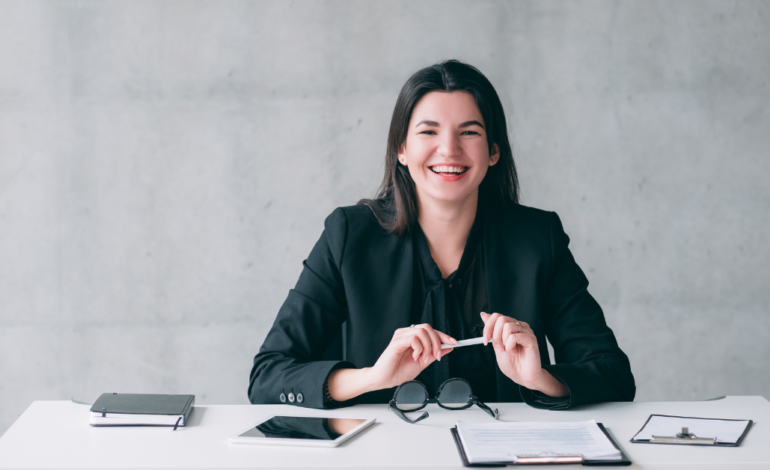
505	442
726	431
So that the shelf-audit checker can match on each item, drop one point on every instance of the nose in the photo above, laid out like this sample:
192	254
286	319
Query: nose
449	145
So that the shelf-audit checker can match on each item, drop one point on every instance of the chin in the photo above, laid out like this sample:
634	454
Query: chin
450	197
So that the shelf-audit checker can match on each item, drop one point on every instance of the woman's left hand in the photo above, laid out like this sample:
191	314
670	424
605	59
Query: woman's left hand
518	354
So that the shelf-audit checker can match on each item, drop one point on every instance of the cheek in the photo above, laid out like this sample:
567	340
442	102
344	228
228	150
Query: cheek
480	149
417	172
480	155
418	155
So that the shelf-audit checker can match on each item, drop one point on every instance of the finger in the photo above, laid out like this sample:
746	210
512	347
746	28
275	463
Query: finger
507	331
484	317
402	340
435	341
489	326
497	332
427	343
526	339
445	338
416	347
510	343
444	352
518	326
404	332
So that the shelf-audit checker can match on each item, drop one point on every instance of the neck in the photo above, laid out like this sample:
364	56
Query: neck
447	225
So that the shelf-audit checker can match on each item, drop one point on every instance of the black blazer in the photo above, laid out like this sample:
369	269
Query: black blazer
356	289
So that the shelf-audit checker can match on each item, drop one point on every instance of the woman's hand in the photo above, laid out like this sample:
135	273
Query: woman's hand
518	354
410	351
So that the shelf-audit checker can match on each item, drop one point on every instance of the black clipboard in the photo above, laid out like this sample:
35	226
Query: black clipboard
624	460
683	443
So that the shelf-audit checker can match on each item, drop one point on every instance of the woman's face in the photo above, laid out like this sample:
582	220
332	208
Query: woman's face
446	147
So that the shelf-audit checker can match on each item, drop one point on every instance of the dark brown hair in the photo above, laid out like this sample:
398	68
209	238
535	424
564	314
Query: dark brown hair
395	205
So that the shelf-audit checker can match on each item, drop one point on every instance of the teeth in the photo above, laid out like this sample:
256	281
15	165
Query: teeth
448	169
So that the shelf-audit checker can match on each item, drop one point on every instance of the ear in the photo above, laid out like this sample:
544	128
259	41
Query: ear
402	154
494	155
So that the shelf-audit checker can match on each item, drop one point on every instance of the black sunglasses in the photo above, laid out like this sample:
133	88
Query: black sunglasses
454	394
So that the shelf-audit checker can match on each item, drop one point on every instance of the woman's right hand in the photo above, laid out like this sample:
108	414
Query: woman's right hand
410	351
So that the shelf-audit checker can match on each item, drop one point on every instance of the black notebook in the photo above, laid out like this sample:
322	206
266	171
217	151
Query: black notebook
141	409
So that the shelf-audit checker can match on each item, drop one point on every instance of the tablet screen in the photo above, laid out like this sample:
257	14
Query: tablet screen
292	427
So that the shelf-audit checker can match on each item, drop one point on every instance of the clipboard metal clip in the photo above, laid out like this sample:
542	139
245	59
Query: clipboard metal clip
546	458
685	437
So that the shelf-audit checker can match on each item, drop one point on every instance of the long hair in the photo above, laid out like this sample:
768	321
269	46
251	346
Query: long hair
395	205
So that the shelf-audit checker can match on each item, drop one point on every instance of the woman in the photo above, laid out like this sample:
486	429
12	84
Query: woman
444	242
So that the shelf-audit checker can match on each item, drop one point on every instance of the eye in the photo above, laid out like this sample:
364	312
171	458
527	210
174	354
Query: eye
470	133
428	132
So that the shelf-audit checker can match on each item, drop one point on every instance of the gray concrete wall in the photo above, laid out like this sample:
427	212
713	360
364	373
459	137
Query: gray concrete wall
165	167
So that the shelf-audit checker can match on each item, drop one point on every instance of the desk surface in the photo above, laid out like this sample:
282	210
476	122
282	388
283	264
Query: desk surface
53	434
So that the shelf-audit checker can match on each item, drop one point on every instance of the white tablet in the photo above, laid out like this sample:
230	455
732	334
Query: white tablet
301	431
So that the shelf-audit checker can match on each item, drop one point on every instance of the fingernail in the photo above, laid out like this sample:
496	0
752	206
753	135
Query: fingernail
486	341
453	340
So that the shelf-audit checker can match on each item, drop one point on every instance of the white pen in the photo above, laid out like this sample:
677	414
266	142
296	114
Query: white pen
464	342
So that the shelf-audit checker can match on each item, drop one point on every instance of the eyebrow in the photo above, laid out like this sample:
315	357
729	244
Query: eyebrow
463	125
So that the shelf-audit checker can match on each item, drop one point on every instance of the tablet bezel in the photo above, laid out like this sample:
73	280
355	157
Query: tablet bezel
281	441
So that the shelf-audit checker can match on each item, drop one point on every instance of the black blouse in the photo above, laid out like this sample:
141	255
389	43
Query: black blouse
453	306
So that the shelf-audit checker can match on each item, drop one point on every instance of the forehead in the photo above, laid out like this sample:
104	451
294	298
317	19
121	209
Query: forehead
444	107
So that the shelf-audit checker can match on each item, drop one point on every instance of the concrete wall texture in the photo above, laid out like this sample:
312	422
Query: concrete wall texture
165	167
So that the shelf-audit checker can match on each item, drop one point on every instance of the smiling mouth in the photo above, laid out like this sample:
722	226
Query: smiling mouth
449	170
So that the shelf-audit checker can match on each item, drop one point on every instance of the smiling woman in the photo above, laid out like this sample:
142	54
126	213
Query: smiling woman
447	143
465	97
395	281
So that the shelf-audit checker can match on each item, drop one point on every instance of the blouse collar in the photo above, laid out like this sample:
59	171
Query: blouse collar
432	271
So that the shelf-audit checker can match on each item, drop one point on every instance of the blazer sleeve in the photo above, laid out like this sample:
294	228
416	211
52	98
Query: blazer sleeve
588	359
291	358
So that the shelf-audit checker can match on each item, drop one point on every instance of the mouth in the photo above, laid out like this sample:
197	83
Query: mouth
449	170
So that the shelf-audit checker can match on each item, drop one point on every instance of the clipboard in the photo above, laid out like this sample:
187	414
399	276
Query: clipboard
624	460
681	440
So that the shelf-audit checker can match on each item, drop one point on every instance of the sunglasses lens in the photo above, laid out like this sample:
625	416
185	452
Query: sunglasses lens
411	396
455	394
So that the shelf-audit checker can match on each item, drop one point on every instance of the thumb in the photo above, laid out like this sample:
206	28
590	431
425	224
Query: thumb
484	315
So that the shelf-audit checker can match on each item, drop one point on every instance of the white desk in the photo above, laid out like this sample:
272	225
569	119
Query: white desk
56	434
